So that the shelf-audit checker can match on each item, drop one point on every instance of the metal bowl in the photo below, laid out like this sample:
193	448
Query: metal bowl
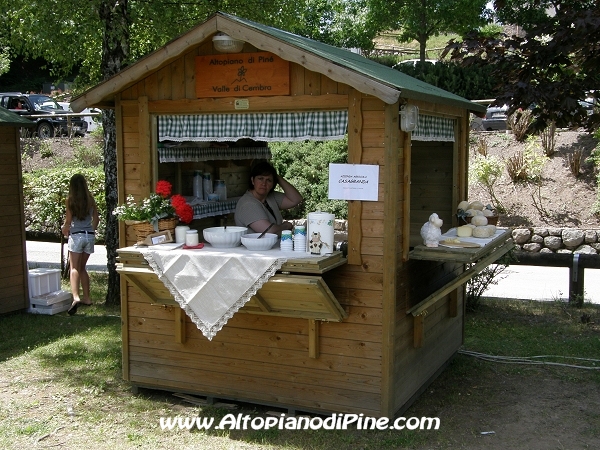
221	237
251	241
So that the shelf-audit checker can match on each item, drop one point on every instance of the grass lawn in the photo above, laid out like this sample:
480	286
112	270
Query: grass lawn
61	386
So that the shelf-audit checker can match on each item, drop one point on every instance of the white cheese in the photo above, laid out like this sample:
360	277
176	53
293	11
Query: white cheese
482	232
479	220
464	231
464	205
476	205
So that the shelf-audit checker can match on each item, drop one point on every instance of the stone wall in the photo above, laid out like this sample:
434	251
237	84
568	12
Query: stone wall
556	240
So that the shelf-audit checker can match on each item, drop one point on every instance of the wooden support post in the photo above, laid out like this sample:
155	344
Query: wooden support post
453	302
576	282
263	305
179	326
419	329
313	338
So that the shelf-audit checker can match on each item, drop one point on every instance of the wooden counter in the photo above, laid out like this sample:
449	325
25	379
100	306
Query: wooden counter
502	240
475	259
296	291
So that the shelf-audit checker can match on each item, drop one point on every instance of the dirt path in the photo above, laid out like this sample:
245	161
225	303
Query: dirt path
522	409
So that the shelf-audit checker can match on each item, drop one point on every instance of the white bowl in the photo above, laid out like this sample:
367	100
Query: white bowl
221	237
251	241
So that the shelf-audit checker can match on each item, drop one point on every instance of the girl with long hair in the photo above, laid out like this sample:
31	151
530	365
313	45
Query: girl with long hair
80	226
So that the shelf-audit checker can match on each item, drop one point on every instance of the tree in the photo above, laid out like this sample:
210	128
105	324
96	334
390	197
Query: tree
342	23
549	67
115	51
420	20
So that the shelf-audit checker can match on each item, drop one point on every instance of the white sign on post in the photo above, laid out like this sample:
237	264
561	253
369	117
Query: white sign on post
353	182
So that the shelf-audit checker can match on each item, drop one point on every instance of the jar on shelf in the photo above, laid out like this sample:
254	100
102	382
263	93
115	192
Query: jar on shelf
221	190
197	184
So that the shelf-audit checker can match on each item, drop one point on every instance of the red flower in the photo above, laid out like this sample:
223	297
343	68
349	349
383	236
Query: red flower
163	188
177	200
183	210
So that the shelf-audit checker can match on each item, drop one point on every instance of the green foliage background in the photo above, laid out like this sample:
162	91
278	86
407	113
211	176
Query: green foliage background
45	192
471	82
306	166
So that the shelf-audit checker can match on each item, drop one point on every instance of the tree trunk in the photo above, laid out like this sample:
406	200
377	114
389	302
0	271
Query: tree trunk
115	51
422	50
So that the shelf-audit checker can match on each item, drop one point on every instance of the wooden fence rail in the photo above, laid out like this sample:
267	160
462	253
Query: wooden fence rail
576	262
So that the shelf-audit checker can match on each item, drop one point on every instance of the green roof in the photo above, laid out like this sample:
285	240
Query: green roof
9	118
409	87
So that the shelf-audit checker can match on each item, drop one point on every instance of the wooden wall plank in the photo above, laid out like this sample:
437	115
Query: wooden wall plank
297	75
296	399
355	127
312	83
146	182
14	294
164	83
217	365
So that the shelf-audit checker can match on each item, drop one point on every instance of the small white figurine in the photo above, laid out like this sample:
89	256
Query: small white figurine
431	231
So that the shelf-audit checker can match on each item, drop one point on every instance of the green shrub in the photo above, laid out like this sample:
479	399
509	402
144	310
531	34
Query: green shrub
594	158
306	166
534	159
487	171
519	122
45	192
88	156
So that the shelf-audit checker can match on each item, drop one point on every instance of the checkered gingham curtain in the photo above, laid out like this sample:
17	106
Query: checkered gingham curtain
268	127
434	128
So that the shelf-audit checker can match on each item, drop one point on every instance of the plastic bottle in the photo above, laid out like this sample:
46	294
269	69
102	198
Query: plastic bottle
197	184
207	185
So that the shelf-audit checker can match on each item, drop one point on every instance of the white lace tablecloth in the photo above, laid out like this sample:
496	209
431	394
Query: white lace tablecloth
212	284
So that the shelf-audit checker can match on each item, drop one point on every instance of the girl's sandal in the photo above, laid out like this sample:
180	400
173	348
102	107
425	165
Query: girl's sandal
73	309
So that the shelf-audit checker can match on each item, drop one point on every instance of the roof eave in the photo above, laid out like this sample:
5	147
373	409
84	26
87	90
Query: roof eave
102	95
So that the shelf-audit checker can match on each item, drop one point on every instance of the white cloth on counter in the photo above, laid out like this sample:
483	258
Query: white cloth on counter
212	284
452	233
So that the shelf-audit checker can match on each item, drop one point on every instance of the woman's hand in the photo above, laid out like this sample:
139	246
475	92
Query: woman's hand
292	196
65	230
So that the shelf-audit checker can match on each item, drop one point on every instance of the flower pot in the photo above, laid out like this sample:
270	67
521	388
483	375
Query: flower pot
143	229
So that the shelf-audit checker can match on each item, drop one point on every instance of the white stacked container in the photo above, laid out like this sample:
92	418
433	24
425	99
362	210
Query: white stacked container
45	295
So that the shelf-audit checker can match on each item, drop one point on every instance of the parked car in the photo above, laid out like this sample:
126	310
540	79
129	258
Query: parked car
52	121
495	118
413	62
588	104
93	121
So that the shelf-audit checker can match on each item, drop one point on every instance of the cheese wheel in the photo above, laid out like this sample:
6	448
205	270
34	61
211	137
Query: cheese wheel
479	220
464	205
482	232
476	205
464	231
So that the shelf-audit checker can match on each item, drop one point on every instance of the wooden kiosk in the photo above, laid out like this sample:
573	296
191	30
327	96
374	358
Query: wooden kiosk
388	323
14	294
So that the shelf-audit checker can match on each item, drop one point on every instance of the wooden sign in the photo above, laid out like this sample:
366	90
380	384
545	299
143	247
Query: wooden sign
242	75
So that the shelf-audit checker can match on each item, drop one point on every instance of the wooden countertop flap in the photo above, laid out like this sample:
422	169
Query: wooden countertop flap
302	294
479	258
